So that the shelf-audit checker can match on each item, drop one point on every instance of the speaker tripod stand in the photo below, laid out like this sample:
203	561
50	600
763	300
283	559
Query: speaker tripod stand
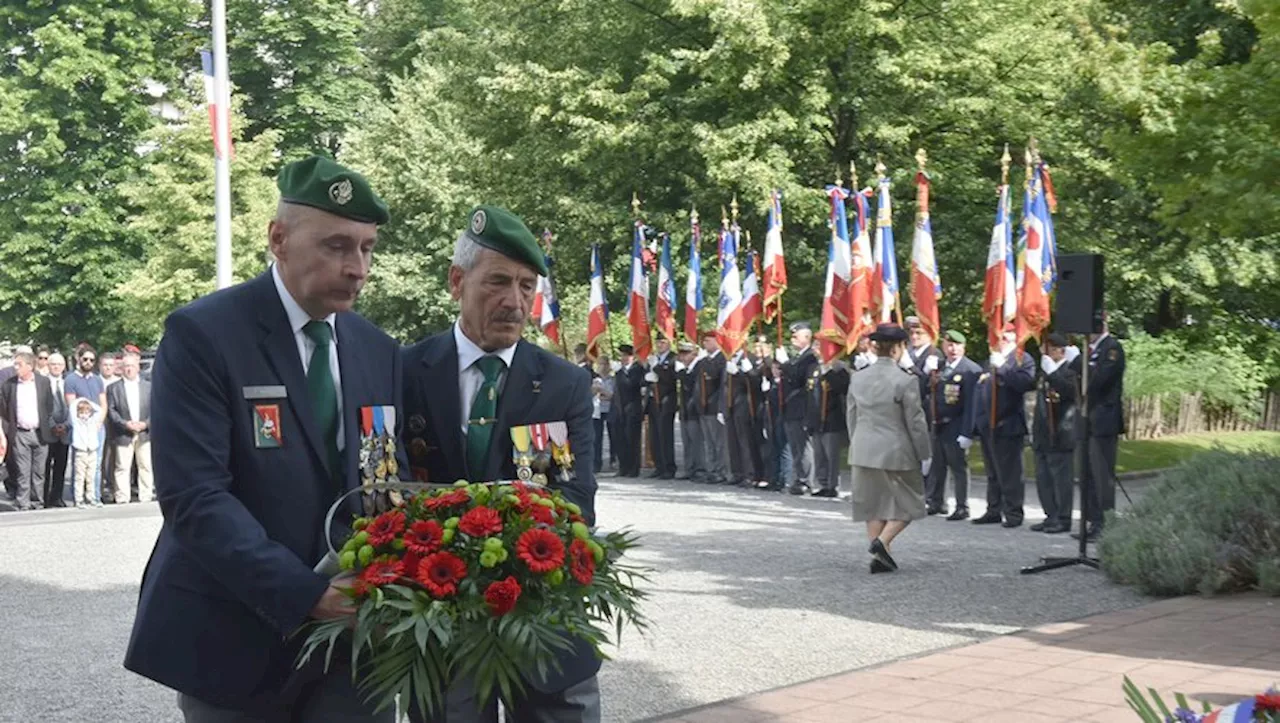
1083	480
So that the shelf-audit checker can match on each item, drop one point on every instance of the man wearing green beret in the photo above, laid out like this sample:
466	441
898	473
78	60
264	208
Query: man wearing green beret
467	389
257	396
950	404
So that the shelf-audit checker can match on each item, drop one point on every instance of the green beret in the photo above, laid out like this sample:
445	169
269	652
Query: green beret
329	186
954	336
502	231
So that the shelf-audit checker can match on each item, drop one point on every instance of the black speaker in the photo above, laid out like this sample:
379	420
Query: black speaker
1078	309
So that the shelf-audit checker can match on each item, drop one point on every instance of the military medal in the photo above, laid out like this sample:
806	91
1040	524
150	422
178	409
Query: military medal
559	433
266	426
520	443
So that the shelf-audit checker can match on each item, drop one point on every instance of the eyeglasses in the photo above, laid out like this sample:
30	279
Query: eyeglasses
86	359
43	357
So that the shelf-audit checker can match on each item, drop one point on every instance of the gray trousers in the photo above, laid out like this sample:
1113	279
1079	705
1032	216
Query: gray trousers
947	457
579	703
1102	468
695	464
826	459
30	457
1054	484
713	446
1003	457
798	439
330	699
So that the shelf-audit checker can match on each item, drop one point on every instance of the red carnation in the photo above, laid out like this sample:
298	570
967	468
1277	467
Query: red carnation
542	550
385	528
408	565
424	537
481	522
582	564
448	499
440	573
502	596
539	513
1267	701
380	573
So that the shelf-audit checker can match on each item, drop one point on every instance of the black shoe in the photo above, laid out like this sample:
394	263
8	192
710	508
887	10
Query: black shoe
939	510
1010	524
961	513
987	519
1055	527
828	492
1039	526
653	475
796	489
878	567
879	552
1093	532
681	476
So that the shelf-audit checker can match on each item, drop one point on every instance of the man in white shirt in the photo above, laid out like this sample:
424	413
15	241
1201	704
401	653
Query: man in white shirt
26	408
129	407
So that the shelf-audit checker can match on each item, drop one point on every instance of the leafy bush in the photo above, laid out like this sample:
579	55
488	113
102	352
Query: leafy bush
1227	376
1210	525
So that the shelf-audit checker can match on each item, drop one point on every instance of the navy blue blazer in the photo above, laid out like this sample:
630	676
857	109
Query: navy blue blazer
1013	380
953	398
1106	388
231	573
539	387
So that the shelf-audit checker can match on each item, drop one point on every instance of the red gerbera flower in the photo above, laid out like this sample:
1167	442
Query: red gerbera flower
448	499
424	537
542	550
380	573
481	522
1267	701
408	565
582	564
502	596
385	528
440	573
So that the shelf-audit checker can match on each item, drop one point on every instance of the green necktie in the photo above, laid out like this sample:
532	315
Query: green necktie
324	398
484	409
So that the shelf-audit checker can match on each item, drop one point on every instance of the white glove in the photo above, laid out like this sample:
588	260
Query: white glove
731	367
964	442
652	360
925	465
931	364
720	417
651	378
680	366
1072	352
745	364
997	359
615	366
862	361
905	362
765	386
1048	364
781	355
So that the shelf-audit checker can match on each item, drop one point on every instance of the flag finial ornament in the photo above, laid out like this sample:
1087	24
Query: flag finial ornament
693	215
724	217
635	204
839	183
921	158
880	167
1005	160
853	176
733	207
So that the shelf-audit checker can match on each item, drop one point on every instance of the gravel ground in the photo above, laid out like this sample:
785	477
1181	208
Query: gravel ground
752	591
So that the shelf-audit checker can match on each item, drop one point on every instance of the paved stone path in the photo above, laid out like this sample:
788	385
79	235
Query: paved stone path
751	591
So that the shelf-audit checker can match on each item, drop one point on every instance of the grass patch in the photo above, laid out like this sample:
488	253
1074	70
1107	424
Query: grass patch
1141	455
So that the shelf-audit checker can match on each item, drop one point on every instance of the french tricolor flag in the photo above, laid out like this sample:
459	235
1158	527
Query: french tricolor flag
597	308
638	297
693	284
1000	295
926	285
665	313
884	282
217	111
752	304
730	331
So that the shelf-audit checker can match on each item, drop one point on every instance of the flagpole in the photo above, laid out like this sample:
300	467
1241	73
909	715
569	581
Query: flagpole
221	161
1005	160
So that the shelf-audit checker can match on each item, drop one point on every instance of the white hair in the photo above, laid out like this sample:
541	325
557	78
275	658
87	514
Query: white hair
466	252
57	357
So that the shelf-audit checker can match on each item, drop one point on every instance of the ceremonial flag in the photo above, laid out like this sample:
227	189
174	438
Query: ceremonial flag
863	267
546	309
730	331
926	286
693	285
1034	277
752	306
221	146
884	280
775	264
833	333
665	313
597	308
638	297
999	298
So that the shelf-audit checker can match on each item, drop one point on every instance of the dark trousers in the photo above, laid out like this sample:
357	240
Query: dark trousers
309	696
55	478
1003	457
741	440
629	445
30	456
1102	468
579	703
695	465
599	425
713	446
108	472
826	458
798	439
947	457
662	430
1054	484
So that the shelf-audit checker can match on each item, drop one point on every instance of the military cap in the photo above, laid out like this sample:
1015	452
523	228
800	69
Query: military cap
889	332
954	336
500	230
800	326
325	184
686	347
626	349
911	322
1057	340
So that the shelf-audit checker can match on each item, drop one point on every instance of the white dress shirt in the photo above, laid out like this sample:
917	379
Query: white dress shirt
132	400
298	319
28	416
469	375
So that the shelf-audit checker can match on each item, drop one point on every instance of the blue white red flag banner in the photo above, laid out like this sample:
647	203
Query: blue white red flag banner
638	297
775	263
752	304
222	147
730	331
597	307
833	332
665	313
1000	297
1035	260
863	267
693	283
926	285
884	281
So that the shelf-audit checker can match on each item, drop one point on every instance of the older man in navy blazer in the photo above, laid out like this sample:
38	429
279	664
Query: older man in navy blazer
466	388
257	392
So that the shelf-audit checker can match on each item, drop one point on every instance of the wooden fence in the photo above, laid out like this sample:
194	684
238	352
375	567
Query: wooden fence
1161	416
